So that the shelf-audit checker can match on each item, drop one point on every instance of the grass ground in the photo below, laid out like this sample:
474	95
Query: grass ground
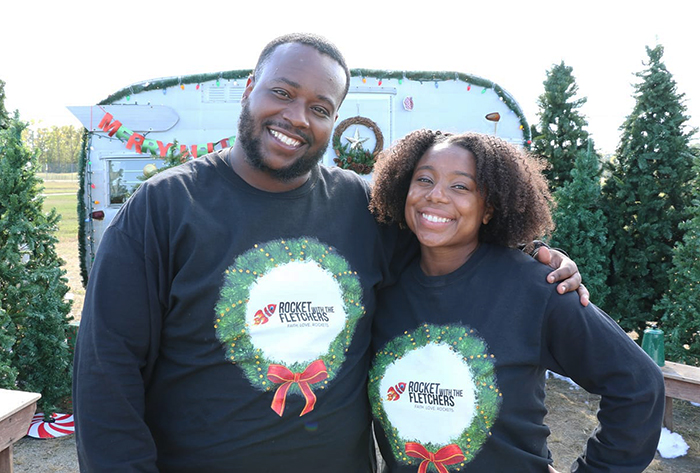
62	195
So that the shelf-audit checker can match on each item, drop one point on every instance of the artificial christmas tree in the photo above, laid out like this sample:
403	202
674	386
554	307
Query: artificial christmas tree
32	282
560	134
680	305
4	118
581	226
647	196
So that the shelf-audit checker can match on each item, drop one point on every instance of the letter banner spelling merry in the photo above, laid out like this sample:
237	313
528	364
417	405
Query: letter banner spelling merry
140	144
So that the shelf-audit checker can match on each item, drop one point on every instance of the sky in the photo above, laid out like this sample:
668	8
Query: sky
78	52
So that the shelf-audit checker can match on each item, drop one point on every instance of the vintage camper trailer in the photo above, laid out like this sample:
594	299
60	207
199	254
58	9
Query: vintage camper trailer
141	127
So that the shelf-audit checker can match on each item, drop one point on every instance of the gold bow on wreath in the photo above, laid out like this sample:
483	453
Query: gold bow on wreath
357	158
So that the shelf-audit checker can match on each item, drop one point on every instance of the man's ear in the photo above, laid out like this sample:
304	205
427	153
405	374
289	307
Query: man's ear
249	86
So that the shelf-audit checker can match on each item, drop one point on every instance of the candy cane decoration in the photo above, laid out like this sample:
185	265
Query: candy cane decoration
62	425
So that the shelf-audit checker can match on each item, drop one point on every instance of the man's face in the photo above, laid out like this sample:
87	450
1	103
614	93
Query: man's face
289	112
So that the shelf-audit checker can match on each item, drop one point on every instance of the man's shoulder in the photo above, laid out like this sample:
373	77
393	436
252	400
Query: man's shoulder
343	179
181	177
187	169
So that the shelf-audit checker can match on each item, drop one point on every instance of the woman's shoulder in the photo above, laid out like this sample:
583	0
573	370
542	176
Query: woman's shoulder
519	265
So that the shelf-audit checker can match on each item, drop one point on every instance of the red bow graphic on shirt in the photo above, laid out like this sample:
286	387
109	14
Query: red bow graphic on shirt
314	373
448	455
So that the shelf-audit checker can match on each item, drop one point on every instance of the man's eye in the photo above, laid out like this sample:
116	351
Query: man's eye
322	111
280	92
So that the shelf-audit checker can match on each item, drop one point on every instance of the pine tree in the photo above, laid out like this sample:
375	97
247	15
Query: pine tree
647	196
560	134
32	282
681	303
4	117
8	373
581	226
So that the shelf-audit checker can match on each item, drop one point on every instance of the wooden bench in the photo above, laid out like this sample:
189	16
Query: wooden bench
682	382
16	412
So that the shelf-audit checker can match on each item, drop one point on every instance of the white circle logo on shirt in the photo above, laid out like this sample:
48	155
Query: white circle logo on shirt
308	312
439	395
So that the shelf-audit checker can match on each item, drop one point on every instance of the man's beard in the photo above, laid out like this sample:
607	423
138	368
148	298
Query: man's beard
252	147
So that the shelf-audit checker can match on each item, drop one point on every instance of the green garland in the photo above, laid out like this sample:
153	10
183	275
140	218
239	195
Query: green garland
473	349
421	76
232	329
176	81
434	76
82	210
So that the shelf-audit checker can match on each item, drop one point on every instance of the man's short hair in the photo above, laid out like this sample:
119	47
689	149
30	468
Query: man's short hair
317	42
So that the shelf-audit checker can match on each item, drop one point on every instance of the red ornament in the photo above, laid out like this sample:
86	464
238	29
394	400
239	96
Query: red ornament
380	82
469	87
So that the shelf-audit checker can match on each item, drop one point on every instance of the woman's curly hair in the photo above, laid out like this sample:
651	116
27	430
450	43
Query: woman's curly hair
510	179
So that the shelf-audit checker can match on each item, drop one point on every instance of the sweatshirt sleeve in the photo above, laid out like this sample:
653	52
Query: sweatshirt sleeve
585	344
115	354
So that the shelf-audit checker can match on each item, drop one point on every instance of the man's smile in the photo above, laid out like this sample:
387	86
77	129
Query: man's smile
286	140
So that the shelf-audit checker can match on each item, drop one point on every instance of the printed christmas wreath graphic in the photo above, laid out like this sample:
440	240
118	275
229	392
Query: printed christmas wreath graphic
286	315
435	395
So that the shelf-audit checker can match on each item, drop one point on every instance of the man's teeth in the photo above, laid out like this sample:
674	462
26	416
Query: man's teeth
433	218
285	139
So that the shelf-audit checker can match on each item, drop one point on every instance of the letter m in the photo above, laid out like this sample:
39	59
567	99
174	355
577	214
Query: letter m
109	126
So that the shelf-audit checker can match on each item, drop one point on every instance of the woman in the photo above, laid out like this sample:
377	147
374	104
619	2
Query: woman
463	341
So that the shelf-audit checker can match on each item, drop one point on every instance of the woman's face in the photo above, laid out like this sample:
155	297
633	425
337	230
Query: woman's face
443	207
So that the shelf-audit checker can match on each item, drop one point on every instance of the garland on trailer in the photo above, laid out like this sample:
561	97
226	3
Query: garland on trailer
161	84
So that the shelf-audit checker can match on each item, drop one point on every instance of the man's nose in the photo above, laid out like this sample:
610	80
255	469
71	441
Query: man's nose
296	114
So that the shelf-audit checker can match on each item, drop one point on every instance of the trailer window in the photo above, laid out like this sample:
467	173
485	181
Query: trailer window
125	175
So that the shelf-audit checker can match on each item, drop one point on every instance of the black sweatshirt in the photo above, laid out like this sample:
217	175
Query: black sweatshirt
228	329
460	363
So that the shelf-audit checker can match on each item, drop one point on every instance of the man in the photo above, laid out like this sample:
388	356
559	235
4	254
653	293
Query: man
227	319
